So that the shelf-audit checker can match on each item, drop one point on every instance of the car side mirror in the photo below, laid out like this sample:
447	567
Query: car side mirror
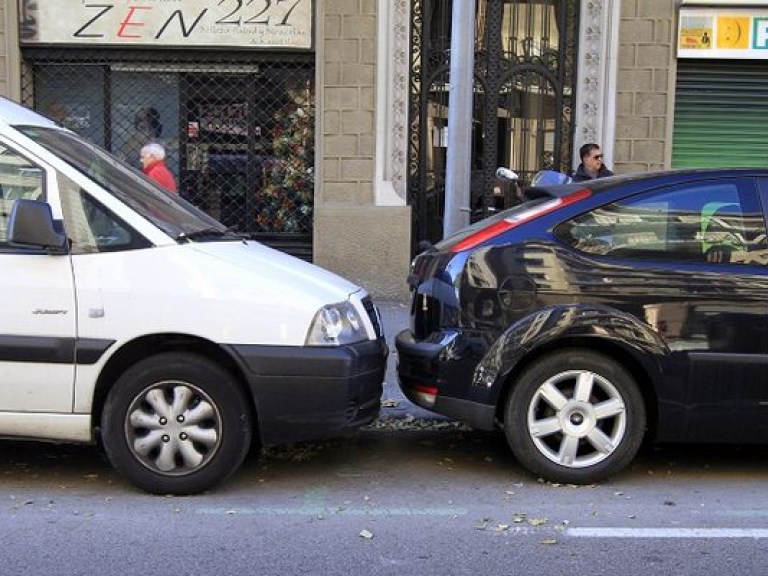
31	224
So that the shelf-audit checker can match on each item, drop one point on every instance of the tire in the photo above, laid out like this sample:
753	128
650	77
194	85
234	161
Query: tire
176	423
575	417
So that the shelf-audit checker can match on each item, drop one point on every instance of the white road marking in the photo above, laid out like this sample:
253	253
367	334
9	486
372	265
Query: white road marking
332	511
755	533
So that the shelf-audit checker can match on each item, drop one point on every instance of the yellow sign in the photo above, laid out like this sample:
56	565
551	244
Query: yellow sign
733	32
696	38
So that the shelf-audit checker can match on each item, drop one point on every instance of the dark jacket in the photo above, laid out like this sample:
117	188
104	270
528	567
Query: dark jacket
581	173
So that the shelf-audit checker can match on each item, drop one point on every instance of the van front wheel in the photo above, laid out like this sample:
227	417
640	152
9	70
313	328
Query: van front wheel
176	423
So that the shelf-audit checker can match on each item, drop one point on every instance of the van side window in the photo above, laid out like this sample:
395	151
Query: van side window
19	178
719	222
90	226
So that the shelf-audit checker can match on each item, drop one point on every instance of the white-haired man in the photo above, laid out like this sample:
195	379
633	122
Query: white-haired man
153	165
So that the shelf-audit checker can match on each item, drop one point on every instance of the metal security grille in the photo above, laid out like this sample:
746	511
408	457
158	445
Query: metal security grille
238	129
721	110
523	100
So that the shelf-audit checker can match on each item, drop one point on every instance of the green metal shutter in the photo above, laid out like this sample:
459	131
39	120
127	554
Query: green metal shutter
721	114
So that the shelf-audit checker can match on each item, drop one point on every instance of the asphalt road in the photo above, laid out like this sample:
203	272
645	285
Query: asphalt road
412	494
428	501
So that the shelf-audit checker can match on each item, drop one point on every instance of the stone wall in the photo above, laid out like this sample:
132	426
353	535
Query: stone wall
9	51
368	244
645	85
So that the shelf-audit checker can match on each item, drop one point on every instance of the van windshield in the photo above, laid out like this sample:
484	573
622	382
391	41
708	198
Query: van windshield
172	214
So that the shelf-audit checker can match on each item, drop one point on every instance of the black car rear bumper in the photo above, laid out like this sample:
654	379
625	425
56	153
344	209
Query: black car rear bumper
309	393
443	364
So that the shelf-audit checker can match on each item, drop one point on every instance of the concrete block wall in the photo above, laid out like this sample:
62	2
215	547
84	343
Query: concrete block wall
645	85
9	50
354	237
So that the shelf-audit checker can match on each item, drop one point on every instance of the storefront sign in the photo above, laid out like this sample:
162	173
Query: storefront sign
723	33
155	23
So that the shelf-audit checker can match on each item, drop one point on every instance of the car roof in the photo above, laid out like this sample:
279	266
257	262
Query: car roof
641	180
14	114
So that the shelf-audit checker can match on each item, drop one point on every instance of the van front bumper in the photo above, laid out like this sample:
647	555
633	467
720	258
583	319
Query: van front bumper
310	393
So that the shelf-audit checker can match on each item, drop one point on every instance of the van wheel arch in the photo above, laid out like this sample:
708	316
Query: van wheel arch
136	350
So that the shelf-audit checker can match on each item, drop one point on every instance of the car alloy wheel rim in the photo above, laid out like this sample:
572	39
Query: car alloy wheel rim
173	428
577	419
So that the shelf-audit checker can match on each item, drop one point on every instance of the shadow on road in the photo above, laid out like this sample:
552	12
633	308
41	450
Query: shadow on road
436	454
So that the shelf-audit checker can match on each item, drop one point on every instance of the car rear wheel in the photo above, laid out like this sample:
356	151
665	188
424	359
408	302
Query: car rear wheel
575	416
176	423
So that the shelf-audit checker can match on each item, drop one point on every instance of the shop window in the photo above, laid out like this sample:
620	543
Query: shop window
238	132
144	109
74	97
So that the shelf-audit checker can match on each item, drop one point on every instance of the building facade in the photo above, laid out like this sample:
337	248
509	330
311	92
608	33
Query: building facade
337	99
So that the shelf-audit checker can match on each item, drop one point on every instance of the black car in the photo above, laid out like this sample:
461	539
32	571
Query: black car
594	316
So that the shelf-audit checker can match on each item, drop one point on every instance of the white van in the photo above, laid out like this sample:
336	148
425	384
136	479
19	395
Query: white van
130	316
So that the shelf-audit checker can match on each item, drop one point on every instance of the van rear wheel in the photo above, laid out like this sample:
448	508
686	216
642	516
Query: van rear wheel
176	423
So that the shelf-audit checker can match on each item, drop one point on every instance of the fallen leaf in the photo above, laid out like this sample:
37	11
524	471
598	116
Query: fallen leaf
483	524
537	521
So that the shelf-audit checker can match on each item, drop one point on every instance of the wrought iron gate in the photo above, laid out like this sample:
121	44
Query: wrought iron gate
524	78
238	130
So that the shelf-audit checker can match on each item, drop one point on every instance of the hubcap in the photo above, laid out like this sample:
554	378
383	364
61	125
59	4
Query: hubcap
173	428
577	418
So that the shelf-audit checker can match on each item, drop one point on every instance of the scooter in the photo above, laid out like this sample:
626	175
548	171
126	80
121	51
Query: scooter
541	178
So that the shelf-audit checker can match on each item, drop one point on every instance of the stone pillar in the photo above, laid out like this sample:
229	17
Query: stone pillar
10	59
645	86
361	229
596	83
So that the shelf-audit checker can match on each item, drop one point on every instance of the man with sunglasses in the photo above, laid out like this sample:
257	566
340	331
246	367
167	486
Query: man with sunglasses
592	165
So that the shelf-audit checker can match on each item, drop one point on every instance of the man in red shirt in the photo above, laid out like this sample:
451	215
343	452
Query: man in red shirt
153	165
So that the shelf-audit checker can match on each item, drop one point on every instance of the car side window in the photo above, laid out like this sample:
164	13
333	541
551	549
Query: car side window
716	222
90	226
19	178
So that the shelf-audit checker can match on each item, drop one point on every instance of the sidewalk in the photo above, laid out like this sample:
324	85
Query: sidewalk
397	412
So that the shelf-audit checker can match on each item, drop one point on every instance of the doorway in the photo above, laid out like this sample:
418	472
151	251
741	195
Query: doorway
524	75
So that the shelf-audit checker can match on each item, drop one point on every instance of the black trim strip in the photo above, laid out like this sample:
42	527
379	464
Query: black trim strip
728	358
52	350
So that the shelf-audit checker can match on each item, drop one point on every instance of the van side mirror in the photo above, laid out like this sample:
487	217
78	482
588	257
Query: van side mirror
31	224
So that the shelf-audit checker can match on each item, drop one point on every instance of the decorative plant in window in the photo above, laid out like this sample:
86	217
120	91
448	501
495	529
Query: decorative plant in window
284	204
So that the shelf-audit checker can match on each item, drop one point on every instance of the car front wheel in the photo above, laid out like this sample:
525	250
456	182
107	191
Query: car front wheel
176	423
575	416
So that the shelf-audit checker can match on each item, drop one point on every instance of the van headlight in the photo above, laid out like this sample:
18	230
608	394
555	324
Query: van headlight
336	325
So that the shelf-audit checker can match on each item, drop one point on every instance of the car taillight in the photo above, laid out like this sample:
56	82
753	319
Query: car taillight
426	394
519	218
